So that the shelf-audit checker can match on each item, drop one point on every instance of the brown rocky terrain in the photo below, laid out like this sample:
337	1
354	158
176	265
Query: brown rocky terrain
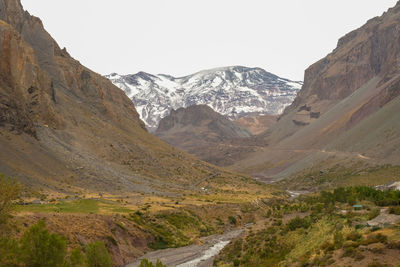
199	130
257	124
65	128
346	111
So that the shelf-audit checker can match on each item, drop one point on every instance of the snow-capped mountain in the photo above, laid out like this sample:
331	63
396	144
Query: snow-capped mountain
232	91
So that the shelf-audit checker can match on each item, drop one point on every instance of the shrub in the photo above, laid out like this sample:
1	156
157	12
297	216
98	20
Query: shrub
77	258
374	213
8	252
147	263
353	236
377	264
327	246
338	239
112	240
9	192
40	248
395	210
378	238
377	248
394	245
375	228
297	222
97	255
232	220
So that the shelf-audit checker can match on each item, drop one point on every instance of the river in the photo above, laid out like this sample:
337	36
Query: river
193	255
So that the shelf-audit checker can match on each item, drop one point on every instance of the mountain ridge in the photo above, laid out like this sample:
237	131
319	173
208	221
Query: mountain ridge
67	129
334	118
233	91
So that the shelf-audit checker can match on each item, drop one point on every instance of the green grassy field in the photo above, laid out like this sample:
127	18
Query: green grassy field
77	206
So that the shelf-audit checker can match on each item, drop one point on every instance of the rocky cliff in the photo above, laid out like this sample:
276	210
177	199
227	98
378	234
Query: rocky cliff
346	110
65	128
370	51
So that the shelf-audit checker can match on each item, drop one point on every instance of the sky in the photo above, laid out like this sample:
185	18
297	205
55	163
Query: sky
181	37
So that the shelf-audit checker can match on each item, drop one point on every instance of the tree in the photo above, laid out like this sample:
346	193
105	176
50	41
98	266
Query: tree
77	258
9	192
8	252
39	248
97	255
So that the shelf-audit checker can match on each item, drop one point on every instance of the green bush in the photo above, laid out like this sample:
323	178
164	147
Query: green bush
378	238
8	252
351	195
9	192
298	222
327	246
97	255
374	213
395	210
338	239
232	220
147	263
77	258
40	248
353	236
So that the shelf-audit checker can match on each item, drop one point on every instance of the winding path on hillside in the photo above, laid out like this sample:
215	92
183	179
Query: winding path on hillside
338	153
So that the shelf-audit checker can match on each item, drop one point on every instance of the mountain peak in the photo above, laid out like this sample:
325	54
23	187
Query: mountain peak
233	91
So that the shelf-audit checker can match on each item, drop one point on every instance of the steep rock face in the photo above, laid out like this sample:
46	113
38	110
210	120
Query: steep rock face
26	90
373	50
198	129
65	128
231	91
346	110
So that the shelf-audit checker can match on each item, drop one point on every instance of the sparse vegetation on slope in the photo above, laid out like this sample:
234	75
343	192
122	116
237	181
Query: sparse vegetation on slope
131	225
319	178
320	230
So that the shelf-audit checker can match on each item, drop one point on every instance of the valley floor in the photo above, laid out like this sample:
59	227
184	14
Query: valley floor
201	255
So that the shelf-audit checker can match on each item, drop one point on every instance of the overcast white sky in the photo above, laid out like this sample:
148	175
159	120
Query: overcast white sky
180	37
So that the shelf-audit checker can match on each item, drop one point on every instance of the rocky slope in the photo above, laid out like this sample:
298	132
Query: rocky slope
348	108
257	124
231	91
197	128
65	128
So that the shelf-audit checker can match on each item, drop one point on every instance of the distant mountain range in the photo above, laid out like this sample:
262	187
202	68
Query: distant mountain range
234	91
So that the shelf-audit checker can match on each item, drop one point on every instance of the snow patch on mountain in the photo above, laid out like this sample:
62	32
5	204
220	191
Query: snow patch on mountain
232	91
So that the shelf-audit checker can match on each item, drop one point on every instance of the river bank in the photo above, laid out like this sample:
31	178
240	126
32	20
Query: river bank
191	256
